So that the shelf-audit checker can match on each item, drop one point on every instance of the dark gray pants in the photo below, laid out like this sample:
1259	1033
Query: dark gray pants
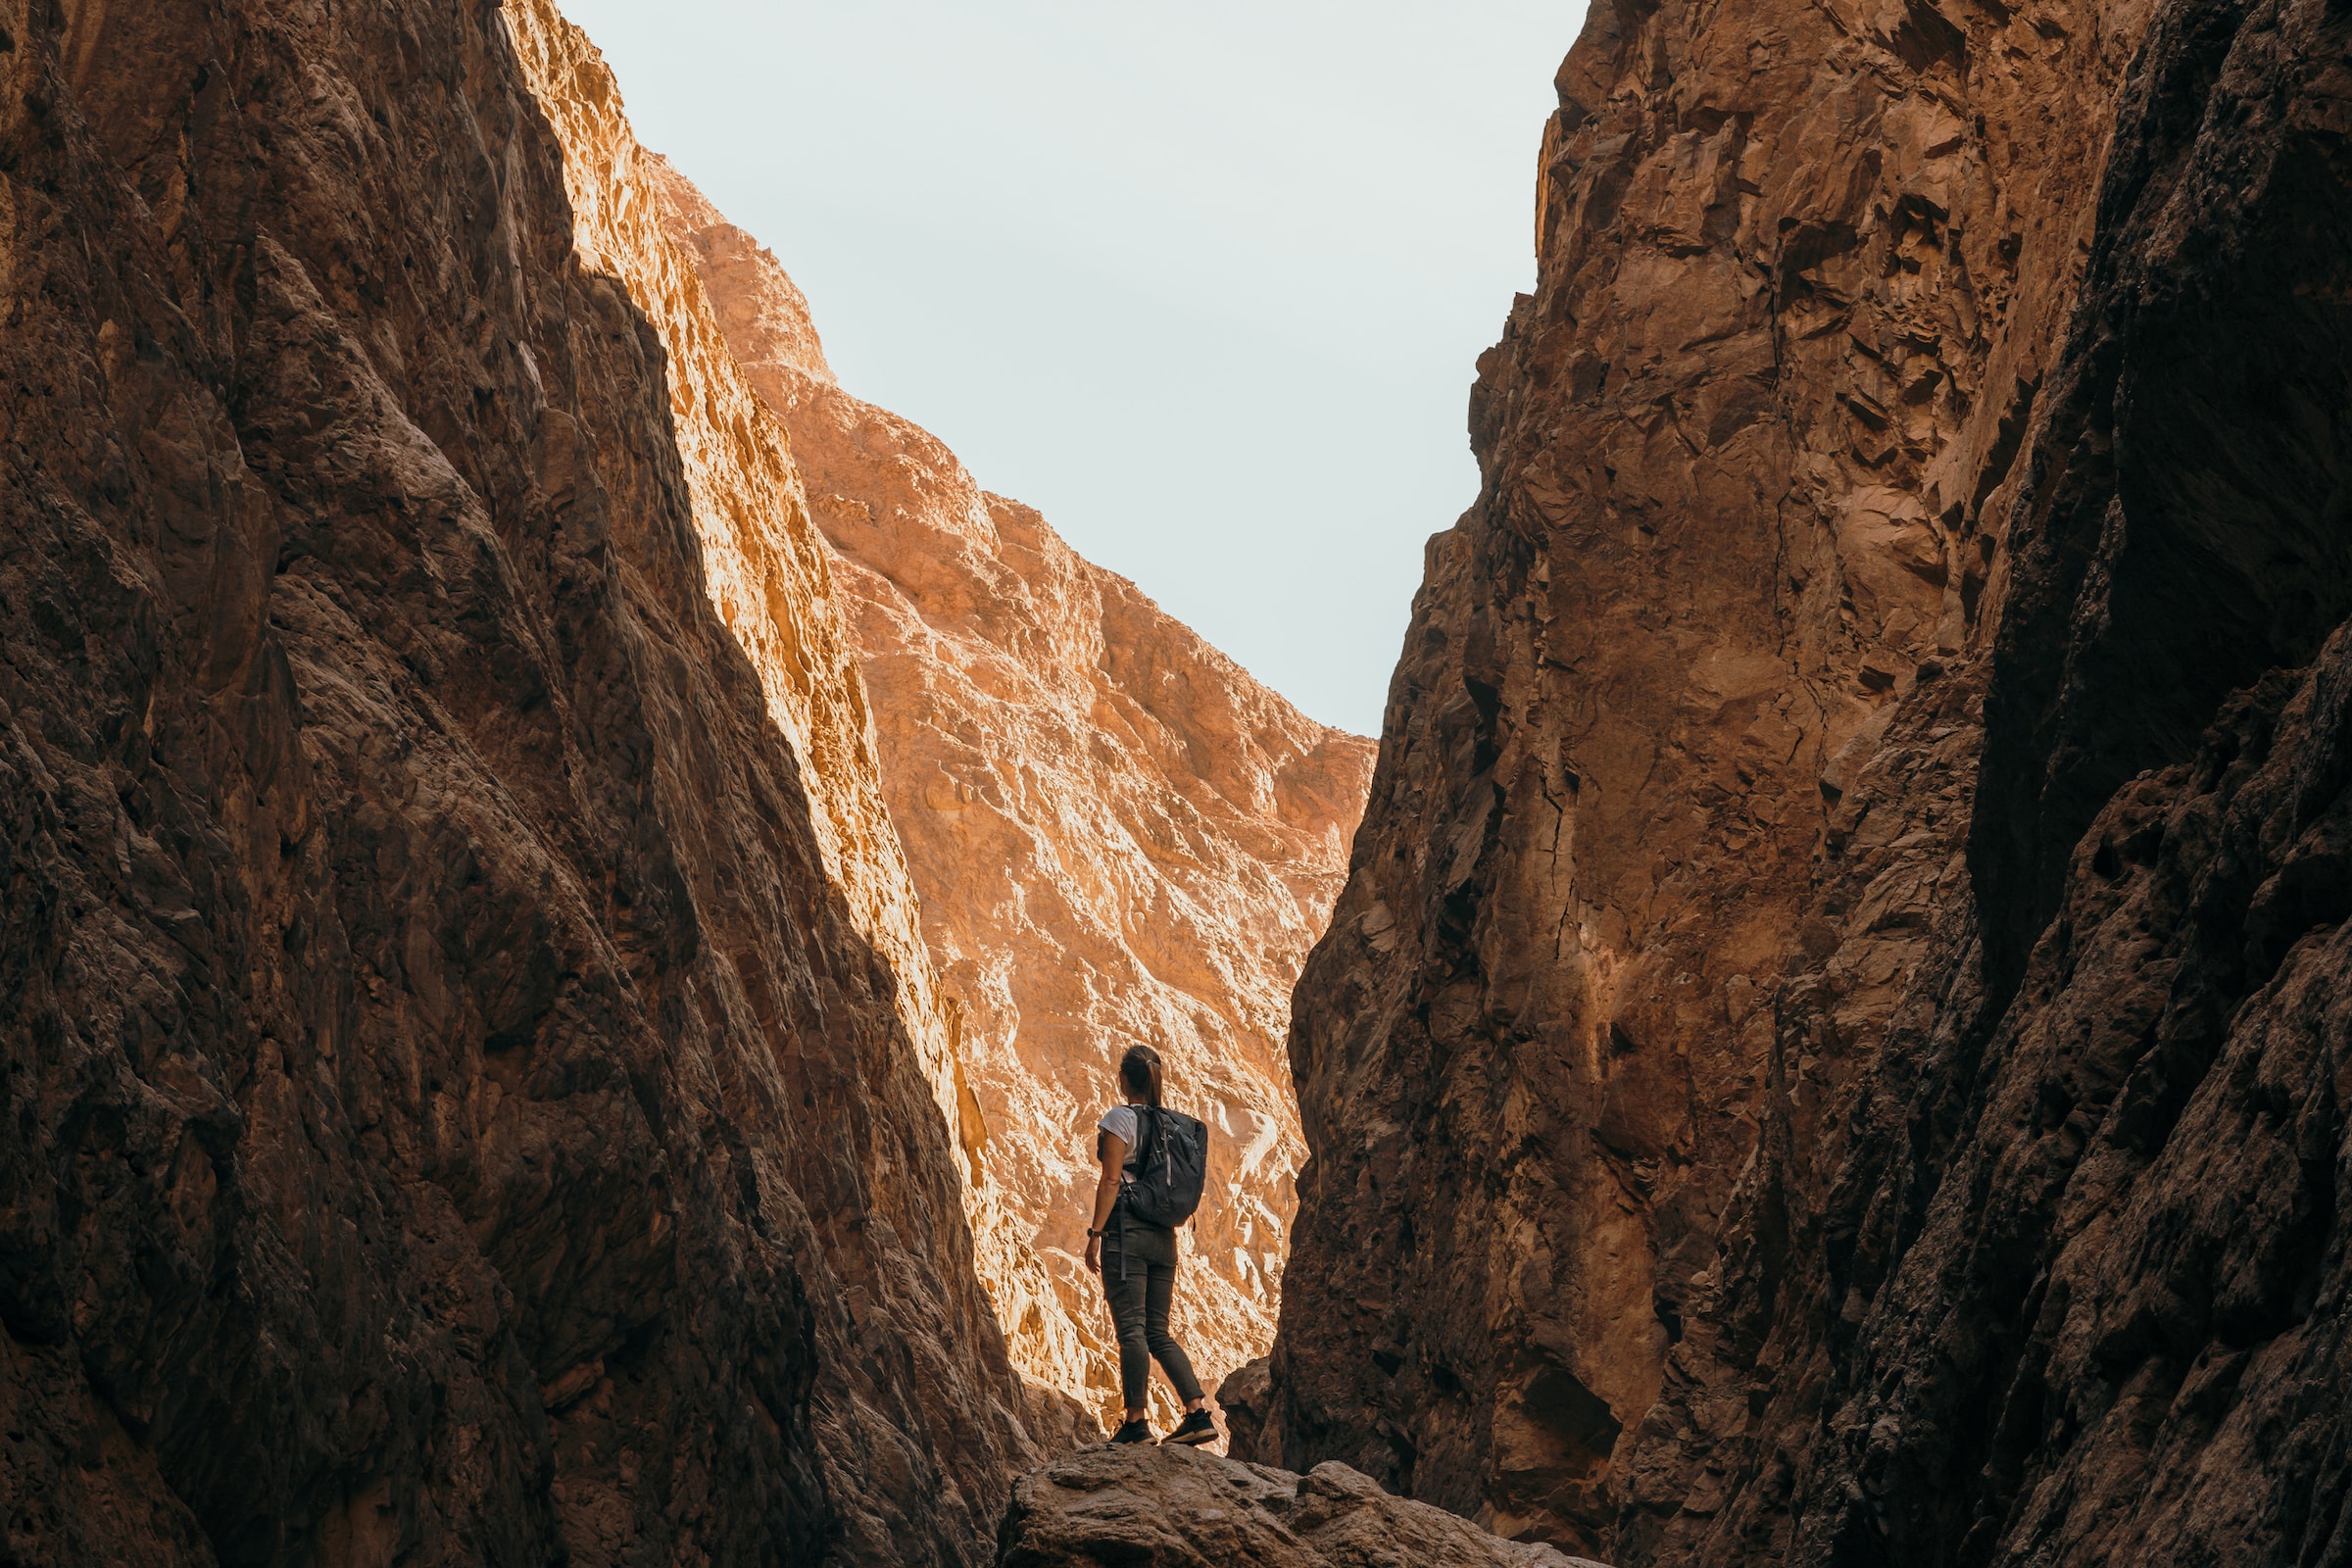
1139	1306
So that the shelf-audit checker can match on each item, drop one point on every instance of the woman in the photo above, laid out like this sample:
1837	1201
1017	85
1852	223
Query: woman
1138	1263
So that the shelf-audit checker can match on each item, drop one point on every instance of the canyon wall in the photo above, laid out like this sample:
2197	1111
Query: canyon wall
776	585
1117	834
1826	1054
472	1088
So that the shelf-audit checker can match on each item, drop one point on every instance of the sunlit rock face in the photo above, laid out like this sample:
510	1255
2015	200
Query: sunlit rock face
1118	835
472	1087
775	584
1823	1055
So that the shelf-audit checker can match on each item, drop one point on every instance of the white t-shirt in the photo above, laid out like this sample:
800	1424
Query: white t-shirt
1121	1121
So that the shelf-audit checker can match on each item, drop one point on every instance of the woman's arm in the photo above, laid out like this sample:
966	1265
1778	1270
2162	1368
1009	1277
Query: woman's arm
1114	1149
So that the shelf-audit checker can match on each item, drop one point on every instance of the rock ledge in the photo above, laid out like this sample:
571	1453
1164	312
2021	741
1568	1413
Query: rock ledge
1143	1507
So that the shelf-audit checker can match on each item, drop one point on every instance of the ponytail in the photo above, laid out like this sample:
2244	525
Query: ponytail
1139	1074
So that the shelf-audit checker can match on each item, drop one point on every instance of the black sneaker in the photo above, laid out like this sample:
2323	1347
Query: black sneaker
1133	1432
1197	1428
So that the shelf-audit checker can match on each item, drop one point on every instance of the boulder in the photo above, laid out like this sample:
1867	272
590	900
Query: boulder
1247	1399
1143	1507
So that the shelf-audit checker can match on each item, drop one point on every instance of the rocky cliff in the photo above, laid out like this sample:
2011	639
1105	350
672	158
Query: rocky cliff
1117	834
472	1088
1825	1054
776	585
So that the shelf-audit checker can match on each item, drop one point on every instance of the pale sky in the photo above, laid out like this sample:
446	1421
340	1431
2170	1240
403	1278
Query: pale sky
1204	282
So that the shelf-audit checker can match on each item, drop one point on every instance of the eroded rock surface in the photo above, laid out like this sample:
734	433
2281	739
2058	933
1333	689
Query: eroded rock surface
776	586
1118	836
1817	1061
466	1096
1166	1507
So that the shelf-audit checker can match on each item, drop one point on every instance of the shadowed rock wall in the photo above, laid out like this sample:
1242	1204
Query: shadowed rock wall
1818	1060
460	1102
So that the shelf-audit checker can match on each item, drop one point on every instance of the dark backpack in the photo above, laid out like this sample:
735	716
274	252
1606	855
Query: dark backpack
1175	1166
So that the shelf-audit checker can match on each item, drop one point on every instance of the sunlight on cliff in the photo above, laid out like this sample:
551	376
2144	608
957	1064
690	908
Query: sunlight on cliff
770	579
1116	834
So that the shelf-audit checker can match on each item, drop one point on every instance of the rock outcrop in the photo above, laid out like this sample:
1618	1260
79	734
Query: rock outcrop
1823	1055
775	584
470	1089
1171	1507
1117	834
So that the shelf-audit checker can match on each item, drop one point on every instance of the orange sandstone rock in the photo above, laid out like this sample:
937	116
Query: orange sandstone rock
773	581
1117	834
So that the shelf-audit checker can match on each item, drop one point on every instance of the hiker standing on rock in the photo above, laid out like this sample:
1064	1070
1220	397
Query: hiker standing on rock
1153	1163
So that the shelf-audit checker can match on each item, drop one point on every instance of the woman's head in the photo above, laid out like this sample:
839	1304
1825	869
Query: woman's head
1139	1074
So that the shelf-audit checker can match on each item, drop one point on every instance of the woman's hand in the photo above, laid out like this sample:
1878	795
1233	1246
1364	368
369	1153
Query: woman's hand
1094	1254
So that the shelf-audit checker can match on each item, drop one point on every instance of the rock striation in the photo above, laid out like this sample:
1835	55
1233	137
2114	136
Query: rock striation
1117	835
1172	1507
472	1092
1823	1054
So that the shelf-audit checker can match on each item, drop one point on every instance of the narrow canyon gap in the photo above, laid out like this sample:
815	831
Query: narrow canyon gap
481	1084
569	889
1118	836
1832	1048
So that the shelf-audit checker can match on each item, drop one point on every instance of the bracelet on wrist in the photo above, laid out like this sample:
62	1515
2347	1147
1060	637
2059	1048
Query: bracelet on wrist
1091	1231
